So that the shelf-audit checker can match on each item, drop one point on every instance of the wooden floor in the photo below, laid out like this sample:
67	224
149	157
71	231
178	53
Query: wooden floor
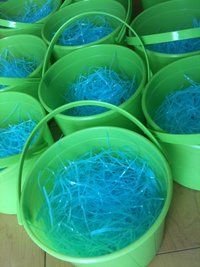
181	245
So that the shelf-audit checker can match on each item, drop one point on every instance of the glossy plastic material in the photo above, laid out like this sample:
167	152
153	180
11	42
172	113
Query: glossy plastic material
54	84
128	5
66	13
166	16
149	3
24	46
17	106
182	150
13	7
137	254
30	88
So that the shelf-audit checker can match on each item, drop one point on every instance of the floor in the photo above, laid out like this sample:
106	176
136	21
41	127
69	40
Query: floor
181	245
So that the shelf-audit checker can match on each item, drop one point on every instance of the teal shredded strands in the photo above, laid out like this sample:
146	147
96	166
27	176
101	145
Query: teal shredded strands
13	138
16	67
101	84
86	30
34	11
98	203
178	47
180	111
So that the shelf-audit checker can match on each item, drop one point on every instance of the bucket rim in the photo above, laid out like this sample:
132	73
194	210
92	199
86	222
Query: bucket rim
160	219
137	92
154	128
32	39
79	5
10	160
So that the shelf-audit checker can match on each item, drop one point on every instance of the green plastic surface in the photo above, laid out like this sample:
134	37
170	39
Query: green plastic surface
54	84
15	106
30	88
166	16
149	3
27	46
13	7
66	13
128	5
141	252
182	150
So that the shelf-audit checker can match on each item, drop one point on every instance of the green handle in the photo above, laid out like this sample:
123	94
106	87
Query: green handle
68	106
18	81
64	4
165	37
18	25
62	28
120	36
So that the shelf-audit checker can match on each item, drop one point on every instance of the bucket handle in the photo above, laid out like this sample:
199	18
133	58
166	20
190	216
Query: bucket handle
18	25
64	4
18	81
62	28
68	106
120	36
166	37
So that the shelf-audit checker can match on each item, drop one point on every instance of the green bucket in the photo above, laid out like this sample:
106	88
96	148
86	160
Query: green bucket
24	46
149	3
165	17
30	88
182	150
128	5
13	8
14	107
65	71
69	12
137	254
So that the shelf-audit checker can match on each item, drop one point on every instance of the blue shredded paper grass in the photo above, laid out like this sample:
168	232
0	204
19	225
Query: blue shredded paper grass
179	113
101	84
99	203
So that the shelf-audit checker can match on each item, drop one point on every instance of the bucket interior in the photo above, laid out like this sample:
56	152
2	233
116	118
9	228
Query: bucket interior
15	9
24	47
168	80
68	12
65	72
72	147
17	108
167	17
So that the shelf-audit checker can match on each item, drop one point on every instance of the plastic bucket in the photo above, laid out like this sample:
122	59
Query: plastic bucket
65	71
50	49
30	88
149	3
128	5
137	254
24	46
12	8
14	108
65	14
182	150
165	18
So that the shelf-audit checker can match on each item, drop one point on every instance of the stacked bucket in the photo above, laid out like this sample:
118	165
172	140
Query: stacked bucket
60	62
